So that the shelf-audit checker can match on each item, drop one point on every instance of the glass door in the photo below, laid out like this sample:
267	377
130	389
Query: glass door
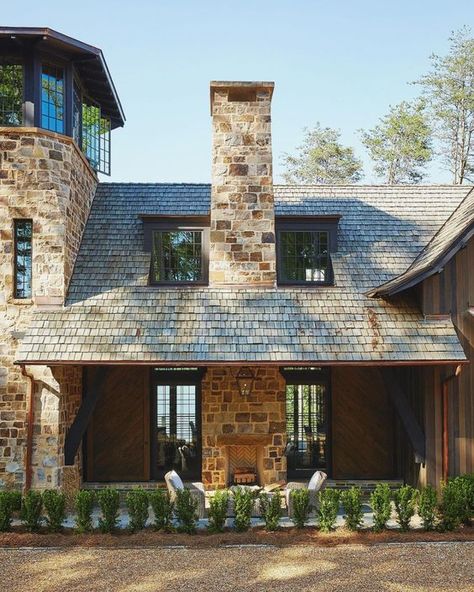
176	423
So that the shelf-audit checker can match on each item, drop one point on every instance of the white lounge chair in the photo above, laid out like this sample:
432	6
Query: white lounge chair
174	483
314	486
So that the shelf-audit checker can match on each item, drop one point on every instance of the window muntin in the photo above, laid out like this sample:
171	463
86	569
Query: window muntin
177	256
11	94
304	256
52	98
96	137
23	237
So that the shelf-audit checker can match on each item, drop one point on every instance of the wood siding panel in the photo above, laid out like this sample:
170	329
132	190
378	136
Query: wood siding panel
118	439
362	425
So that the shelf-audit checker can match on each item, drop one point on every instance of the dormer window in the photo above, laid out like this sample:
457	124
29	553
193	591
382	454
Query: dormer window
304	247
179	250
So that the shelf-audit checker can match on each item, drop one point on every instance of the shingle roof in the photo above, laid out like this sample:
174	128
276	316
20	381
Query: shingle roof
454	233
112	315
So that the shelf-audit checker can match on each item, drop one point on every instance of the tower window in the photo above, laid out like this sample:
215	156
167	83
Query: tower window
52	98
23	236
11	94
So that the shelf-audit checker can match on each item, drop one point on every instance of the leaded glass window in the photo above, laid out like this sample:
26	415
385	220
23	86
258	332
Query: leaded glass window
23	235
177	256
11	94
304	256
52	98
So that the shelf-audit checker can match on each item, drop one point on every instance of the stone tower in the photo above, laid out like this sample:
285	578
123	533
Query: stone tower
242	205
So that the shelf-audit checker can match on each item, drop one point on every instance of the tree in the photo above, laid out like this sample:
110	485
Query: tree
322	159
449	90
400	145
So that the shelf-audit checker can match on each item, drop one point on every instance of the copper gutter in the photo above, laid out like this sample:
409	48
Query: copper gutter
445	405
29	427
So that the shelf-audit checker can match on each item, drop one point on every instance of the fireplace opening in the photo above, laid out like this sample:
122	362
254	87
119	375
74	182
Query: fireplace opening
244	476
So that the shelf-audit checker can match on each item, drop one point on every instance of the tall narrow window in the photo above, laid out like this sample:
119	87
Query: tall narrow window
76	113
23	235
52	98
91	133
11	94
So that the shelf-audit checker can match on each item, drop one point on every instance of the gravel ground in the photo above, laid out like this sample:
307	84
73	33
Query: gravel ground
395	568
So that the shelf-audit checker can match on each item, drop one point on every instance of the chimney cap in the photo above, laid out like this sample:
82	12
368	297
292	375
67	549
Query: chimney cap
233	84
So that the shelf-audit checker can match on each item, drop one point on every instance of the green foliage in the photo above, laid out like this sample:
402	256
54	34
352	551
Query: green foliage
322	159
380	500
270	506
84	504
465	483
352	504
163	509
54	503
31	506
452	506
137	506
7	507
328	508
186	511
405	498
11	92
243	506
427	504
109	502
16	498
218	510
400	145
449	91
301	506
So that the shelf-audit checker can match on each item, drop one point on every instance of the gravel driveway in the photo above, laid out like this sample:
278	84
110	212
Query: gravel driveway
396	568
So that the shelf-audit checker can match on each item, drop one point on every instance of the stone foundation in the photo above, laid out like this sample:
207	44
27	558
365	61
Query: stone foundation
256	421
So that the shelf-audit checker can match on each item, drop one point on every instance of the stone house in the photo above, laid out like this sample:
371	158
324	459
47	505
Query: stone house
237	327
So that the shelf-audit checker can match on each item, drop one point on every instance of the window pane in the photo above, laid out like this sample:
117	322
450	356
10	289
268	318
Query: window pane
23	239
76	113
104	146
304	255
177	256
11	94
91	133
52	98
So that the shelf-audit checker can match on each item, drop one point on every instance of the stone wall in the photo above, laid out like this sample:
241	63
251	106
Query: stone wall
226	412
43	176
242	232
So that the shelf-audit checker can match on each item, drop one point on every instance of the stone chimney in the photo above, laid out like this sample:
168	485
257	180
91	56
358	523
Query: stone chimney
242	233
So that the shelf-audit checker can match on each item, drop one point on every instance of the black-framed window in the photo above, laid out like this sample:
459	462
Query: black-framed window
96	136
176	422
52	98
11	93
76	113
304	248
23	239
307	421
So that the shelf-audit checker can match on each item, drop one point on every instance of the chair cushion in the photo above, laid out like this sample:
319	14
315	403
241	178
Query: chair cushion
317	481
175	480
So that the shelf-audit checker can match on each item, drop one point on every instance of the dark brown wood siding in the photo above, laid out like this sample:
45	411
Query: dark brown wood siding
117	438
452	292
362	425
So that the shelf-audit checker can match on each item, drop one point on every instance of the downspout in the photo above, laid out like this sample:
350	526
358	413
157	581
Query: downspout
29	427
445	405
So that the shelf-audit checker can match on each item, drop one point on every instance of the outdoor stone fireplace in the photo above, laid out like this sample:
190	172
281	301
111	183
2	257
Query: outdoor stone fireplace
239	432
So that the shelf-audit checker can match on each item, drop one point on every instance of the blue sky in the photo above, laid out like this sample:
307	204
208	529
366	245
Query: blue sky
341	63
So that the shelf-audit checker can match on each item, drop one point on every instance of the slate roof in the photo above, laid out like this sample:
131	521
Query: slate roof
112	315
454	233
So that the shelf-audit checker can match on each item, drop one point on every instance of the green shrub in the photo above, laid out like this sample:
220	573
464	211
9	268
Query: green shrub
31	506
84	504
16	498
186	511
218	510
163	509
137	506
7	503
54	503
243	506
352	504
466	487
301	506
452	506
405	498
328	508
109	502
270	507
427	504
380	501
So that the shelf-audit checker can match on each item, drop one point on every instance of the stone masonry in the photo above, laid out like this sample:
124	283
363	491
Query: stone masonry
242	232
44	177
226	413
